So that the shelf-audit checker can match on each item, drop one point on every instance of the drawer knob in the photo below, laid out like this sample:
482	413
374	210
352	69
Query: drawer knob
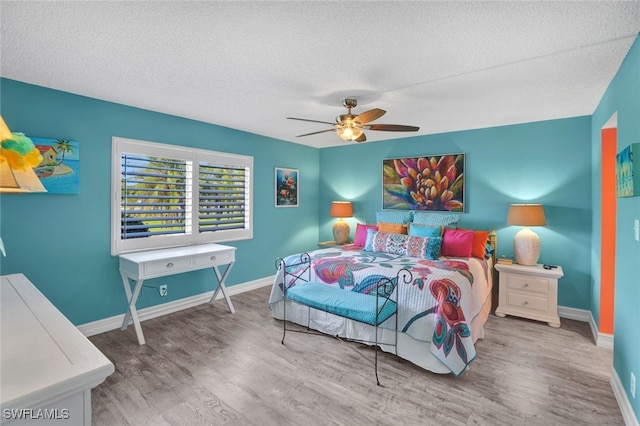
169	265
526	285
525	303
213	258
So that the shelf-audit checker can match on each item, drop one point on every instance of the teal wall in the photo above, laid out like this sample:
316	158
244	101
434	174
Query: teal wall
62	242
545	162
622	97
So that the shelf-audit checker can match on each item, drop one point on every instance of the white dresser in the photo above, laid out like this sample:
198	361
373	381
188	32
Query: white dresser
48	366
529	292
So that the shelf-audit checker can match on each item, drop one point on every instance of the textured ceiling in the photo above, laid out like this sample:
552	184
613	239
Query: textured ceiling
442	66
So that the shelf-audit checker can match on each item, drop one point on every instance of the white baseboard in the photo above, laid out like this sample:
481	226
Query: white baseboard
602	340
628	415
112	323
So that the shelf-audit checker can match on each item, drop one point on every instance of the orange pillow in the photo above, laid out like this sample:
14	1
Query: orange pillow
394	228
479	243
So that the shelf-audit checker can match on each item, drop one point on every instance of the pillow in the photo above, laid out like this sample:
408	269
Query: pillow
361	234
479	243
368	245
420	247
417	230
394	216
393	228
427	218
488	251
457	243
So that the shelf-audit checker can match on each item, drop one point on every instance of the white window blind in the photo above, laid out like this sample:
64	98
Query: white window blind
155	188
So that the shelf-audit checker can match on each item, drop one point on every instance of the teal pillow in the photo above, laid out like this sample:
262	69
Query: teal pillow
417	230
428	218
394	216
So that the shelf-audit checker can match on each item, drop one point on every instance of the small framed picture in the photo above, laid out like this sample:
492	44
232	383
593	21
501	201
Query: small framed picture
287	187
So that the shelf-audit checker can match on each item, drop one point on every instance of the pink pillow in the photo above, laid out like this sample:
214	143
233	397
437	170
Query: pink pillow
361	234
457	243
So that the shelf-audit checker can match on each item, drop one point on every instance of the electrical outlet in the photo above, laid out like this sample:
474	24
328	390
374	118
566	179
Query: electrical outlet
632	386
163	290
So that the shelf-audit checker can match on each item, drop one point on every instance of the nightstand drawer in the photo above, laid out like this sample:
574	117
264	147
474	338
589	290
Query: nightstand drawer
527	301
528	283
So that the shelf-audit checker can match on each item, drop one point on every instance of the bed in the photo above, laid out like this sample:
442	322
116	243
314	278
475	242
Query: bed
441	311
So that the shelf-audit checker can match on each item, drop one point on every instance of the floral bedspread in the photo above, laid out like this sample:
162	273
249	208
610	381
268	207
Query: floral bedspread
436	307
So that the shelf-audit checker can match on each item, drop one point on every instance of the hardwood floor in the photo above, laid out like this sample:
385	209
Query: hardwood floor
206	366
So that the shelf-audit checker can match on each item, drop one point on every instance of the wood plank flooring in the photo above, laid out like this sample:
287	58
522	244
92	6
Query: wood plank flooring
206	366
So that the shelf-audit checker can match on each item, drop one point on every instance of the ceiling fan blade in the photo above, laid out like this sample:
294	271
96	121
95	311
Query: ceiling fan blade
393	128
367	116
362	138
315	133
311	121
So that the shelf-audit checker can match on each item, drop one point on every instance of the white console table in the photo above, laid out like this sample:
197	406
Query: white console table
48	366
159	263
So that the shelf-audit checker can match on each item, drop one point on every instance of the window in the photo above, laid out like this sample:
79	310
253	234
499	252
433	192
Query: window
165	196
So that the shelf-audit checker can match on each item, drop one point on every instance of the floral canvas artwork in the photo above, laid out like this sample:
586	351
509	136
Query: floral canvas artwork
59	170
431	183
286	187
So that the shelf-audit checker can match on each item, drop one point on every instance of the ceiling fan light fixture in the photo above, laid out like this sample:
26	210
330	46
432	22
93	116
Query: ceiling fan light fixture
349	131
350	127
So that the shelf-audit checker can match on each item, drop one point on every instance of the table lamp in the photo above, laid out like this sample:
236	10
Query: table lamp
341	209
526	244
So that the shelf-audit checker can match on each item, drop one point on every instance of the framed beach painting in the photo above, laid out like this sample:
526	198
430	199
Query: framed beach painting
287	187
429	182
59	170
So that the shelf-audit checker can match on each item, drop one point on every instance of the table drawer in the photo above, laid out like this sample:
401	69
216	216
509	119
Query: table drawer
527	301
167	265
212	259
528	283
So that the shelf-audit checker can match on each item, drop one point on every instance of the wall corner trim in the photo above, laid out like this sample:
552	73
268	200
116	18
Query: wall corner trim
602	340
628	415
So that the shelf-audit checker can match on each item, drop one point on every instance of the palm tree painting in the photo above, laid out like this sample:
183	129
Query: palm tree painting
430	182
59	170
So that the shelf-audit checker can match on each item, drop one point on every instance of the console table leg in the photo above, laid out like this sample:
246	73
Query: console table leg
132	313
221	287
127	290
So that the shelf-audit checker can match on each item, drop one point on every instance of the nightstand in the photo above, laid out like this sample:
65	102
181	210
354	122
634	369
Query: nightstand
329	244
529	292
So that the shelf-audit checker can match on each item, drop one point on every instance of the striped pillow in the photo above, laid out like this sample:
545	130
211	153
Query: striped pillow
405	245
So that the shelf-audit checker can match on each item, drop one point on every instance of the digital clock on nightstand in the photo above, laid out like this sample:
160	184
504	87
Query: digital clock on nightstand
529	292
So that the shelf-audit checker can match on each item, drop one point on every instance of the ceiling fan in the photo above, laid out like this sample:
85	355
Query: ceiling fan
351	127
